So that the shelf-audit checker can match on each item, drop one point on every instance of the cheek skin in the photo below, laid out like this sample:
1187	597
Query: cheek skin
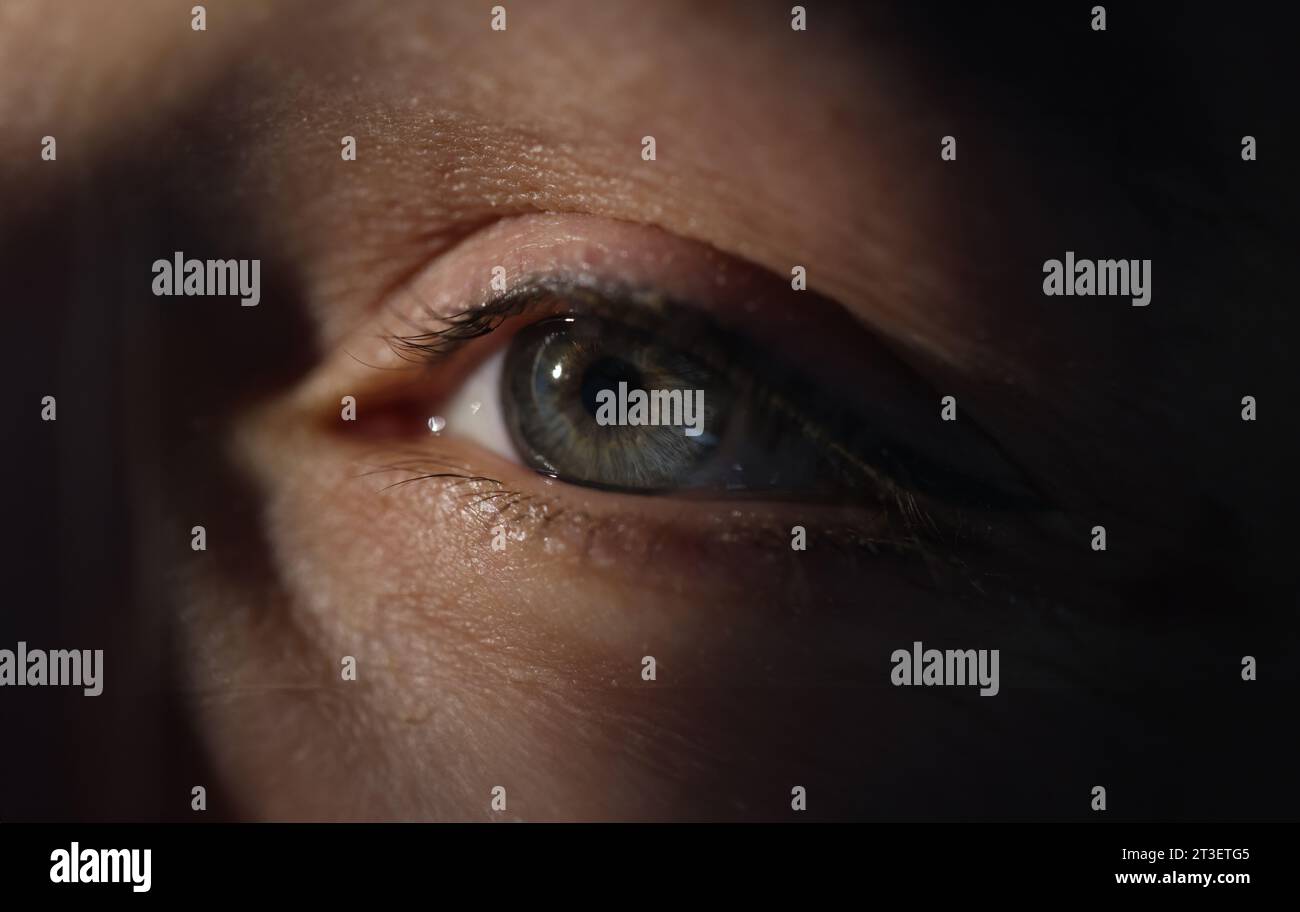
478	668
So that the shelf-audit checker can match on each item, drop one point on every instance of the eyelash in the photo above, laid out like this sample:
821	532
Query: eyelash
465	326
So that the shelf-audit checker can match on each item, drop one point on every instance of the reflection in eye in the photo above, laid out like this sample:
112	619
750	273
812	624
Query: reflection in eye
765	429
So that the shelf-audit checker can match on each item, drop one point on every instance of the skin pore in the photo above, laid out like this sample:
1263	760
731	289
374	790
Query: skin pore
521	667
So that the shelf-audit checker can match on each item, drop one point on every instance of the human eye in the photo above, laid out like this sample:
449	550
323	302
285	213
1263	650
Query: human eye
621	388
752	393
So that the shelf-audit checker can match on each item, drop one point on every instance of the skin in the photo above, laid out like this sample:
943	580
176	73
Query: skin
522	667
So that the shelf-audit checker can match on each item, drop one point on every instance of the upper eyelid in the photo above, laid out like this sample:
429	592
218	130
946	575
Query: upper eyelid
580	254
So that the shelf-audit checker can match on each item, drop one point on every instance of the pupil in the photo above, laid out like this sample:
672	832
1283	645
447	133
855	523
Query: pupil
605	373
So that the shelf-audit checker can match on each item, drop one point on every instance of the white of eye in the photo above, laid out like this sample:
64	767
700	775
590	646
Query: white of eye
474	412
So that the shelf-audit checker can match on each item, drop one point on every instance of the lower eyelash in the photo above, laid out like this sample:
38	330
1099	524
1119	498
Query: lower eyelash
493	506
424	468
482	493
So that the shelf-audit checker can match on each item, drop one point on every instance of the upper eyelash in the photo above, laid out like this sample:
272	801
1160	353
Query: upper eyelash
462	327
688	324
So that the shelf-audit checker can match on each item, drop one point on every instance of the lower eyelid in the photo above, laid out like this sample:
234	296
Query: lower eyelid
678	547
448	482
698	543
493	490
